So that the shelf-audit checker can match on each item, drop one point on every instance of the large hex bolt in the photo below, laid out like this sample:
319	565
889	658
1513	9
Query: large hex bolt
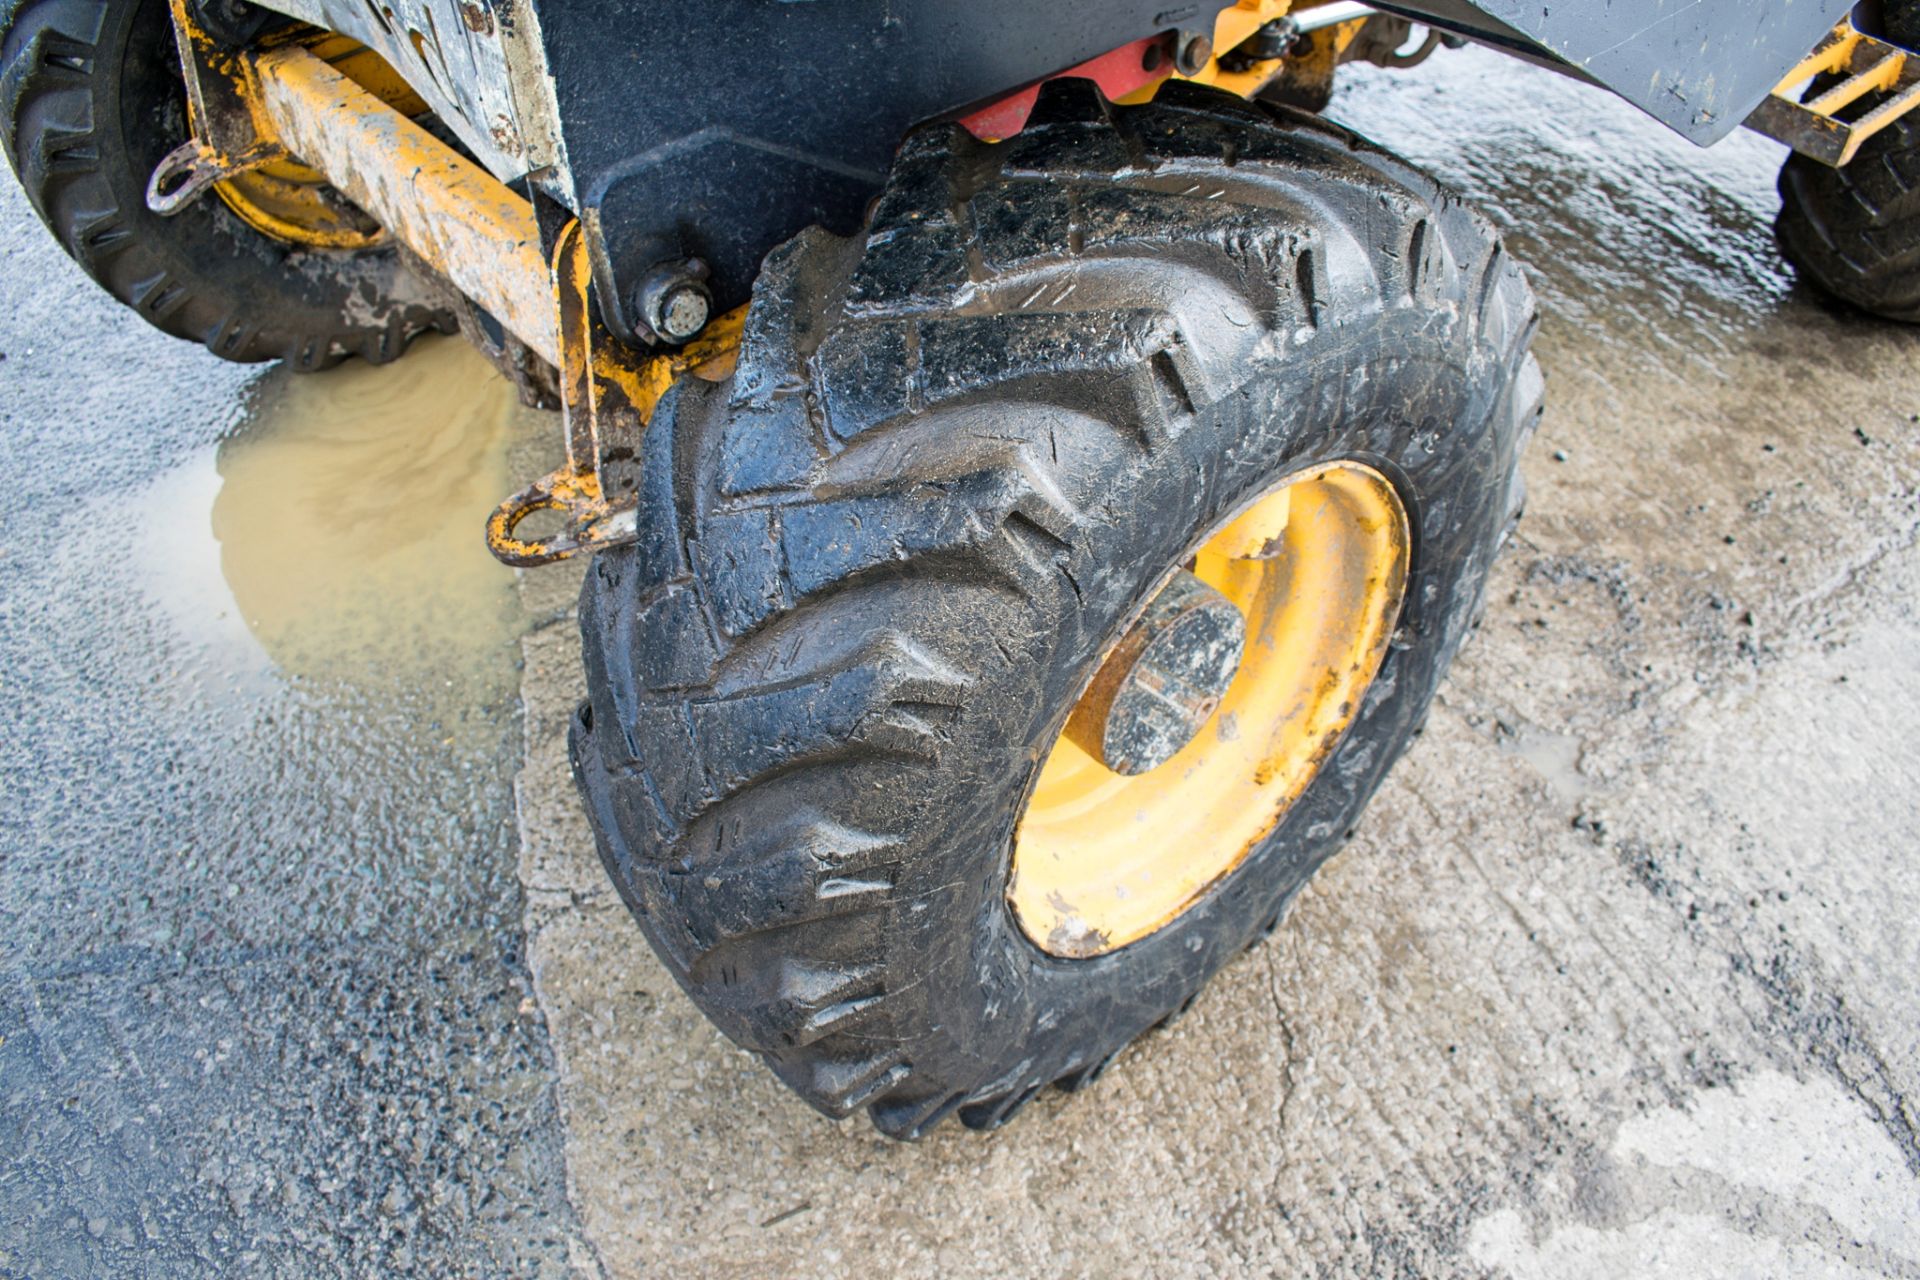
673	300
1163	681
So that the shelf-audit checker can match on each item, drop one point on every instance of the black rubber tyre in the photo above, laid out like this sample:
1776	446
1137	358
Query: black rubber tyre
1901	21
876	567
93	100
1855	231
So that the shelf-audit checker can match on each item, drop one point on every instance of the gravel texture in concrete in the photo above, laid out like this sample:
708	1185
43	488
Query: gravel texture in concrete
264	1004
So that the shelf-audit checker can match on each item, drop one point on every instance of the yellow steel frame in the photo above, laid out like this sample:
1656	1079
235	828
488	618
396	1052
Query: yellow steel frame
294	202
458	218
280	128
1866	65
236	152
479	234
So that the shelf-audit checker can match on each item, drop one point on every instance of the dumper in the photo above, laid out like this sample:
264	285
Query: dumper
1035	470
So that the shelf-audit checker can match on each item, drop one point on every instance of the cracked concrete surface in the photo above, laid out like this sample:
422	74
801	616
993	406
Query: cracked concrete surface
1619	975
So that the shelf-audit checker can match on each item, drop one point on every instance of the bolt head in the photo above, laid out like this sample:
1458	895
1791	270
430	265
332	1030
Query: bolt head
673	301
683	312
1193	51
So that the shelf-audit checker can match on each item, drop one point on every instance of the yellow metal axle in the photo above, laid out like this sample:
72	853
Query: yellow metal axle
291	105
461	220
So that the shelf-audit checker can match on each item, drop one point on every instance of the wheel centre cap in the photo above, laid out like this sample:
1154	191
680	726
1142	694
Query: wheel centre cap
1164	680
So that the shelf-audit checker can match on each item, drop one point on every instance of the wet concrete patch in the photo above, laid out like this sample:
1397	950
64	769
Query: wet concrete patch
264	1007
1790	1151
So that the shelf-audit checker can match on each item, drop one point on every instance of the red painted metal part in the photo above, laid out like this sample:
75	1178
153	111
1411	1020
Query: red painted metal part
1118	72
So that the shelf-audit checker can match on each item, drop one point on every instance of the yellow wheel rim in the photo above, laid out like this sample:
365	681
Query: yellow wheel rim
1318	569
290	202
294	203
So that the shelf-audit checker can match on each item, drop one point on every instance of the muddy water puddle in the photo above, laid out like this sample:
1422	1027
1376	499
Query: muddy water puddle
336	534
276	683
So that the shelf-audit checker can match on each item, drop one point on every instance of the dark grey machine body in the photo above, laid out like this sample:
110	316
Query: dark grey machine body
716	129
1697	66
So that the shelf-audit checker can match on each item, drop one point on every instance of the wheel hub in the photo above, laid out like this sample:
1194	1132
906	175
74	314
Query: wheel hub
1164	679
1212	713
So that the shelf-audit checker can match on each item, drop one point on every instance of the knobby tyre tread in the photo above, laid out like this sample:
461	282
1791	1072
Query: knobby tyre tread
1855	231
876	563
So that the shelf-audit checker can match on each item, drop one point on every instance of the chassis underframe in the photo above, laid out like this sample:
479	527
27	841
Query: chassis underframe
554	215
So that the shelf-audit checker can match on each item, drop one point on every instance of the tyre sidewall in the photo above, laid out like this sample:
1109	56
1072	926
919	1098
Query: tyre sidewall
247	296
874	571
1431	424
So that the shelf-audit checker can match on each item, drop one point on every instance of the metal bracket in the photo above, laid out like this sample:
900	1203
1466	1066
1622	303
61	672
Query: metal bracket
231	134
1276	43
606	400
592	524
1869	66
191	169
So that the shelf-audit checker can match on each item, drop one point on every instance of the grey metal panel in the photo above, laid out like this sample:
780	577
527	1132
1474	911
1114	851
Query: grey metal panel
478	63
1698	66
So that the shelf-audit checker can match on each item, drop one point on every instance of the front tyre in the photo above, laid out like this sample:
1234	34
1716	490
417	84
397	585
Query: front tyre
90	101
1067	395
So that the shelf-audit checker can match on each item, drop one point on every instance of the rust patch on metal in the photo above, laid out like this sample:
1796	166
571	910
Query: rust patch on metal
477	17
460	219
607	396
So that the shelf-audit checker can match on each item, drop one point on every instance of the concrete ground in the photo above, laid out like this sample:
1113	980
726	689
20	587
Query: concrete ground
1619	976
